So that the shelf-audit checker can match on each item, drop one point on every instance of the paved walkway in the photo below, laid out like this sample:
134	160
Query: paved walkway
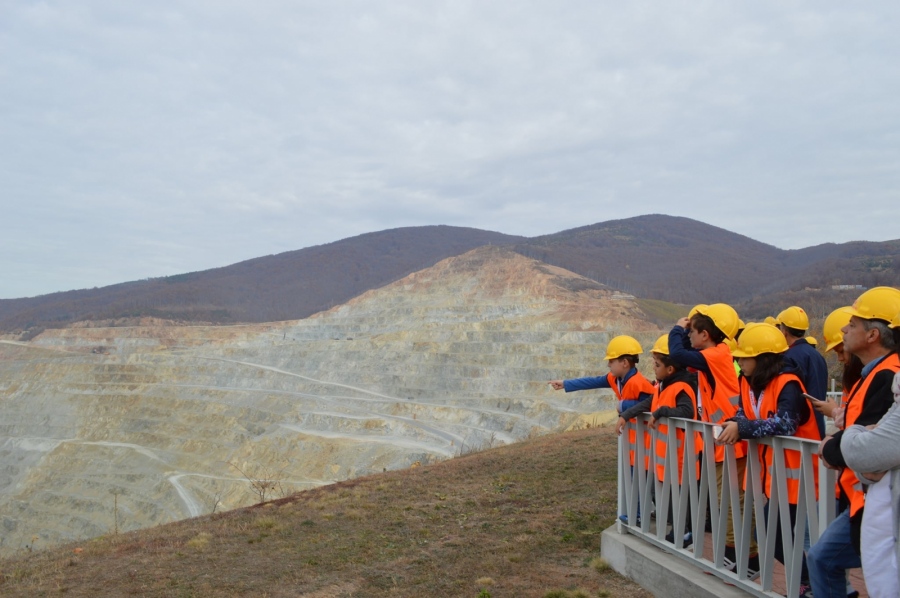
778	585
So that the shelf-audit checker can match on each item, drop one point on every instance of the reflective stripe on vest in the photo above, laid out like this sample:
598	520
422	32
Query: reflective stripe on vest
716	416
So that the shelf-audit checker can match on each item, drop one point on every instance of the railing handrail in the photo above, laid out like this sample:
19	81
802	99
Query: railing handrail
687	499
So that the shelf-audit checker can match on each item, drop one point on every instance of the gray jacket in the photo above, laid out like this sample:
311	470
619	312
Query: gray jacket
871	451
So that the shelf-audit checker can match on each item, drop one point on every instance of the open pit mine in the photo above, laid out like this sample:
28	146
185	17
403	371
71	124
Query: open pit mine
113	429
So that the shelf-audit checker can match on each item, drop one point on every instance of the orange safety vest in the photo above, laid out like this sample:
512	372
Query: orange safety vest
848	481
721	404
631	391
667	398
768	407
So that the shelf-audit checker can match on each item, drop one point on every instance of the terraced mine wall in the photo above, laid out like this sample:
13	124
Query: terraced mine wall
124	428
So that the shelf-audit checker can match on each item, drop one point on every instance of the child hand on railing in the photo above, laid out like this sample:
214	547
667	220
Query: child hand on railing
729	434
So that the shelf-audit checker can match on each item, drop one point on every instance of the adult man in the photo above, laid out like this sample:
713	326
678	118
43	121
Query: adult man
793	323
869	337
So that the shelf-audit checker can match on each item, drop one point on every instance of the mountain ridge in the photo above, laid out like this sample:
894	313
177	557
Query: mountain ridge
670	258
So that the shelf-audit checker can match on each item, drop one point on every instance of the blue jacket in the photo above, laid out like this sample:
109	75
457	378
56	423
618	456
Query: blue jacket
591	382
813	372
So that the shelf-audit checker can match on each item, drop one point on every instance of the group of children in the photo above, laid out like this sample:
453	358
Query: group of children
768	379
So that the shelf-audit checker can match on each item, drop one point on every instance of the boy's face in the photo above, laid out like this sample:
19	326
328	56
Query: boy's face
660	369
618	367
698	339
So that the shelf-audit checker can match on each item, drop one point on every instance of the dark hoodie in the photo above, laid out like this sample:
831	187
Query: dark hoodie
684	403
793	410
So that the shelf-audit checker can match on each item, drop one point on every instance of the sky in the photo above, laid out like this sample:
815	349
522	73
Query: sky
140	140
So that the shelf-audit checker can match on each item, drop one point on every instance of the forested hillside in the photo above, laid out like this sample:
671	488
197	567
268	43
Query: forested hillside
286	286
685	261
669	258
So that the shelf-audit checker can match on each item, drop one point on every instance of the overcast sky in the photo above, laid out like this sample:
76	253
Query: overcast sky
147	139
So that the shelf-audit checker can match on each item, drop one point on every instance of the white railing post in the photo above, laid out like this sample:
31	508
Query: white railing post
620	480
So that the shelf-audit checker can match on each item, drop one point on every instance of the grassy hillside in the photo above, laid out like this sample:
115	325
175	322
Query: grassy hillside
520	520
663	313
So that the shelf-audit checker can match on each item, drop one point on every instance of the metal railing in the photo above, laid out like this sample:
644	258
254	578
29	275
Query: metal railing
639	485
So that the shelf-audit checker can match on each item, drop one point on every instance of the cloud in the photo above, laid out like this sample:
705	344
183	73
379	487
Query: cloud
150	140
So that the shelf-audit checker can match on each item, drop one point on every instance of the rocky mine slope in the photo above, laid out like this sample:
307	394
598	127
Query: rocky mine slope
105	428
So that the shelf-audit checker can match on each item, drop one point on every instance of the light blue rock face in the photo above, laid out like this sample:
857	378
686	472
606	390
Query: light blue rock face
132	427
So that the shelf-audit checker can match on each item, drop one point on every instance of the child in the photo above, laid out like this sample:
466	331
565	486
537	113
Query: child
675	396
772	404
628	384
698	342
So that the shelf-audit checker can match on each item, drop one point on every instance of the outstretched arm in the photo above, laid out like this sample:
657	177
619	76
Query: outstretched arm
584	383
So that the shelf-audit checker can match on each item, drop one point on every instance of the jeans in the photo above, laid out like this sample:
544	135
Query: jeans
830	557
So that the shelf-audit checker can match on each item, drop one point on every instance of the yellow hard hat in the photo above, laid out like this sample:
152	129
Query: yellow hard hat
812	340
771	320
622	345
879	303
732	344
723	316
831	328
661	345
741	324
758	339
794	317
696	309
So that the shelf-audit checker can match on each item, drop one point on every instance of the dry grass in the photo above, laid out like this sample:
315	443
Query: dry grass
522	520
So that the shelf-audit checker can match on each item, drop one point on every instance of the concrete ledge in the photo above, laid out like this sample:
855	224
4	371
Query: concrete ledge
659	572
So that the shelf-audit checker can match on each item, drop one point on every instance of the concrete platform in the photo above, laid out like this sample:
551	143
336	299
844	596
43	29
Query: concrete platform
666	574
659	572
